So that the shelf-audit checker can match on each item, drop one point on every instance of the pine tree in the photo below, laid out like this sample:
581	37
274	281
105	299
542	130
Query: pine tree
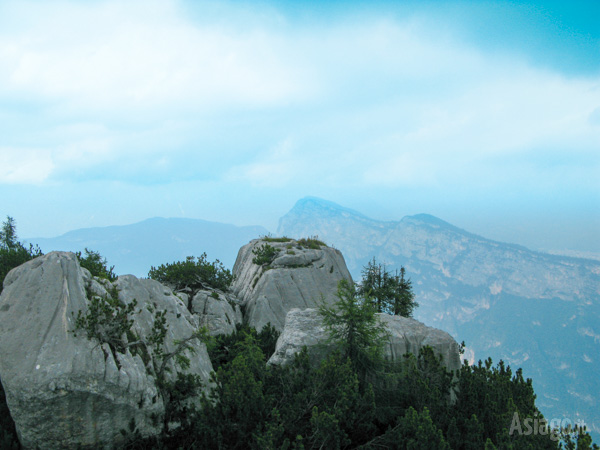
353	325
389	293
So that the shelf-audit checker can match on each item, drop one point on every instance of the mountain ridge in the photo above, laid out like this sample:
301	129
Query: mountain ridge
134	248
532	309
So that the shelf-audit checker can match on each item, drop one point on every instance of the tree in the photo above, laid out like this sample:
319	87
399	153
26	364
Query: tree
390	293
414	431
193	274
96	264
353	325
8	234
12	252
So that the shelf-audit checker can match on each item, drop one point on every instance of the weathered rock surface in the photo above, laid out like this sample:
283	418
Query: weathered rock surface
409	336
305	328
216	313
298	277
65	390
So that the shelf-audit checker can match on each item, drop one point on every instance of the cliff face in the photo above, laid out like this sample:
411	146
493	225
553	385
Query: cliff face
533	310
66	389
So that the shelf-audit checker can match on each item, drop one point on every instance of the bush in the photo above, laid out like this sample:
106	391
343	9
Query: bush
107	320
276	239
264	255
312	242
193	274
96	264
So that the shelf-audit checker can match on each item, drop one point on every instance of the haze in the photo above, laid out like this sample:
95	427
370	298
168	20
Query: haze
485	114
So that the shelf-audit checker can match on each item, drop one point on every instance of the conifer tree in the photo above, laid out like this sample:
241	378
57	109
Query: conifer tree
389	292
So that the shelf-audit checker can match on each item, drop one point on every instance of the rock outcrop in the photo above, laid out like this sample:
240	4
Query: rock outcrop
63	389
305	328
68	389
297	277
217	311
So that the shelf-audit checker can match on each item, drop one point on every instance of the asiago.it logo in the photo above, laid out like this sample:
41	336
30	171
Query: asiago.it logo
541	426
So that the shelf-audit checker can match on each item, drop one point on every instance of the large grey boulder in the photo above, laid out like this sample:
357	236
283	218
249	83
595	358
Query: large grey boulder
306	328
217	311
298	277
63	389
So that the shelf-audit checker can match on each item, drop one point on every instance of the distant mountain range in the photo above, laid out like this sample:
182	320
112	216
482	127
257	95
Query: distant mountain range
534	310
133	249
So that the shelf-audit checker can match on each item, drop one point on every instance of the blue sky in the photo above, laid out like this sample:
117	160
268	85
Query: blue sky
485	114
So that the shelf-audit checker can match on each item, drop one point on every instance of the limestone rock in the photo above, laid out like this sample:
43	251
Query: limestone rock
298	277
409	336
214	310
180	322
305	328
63	389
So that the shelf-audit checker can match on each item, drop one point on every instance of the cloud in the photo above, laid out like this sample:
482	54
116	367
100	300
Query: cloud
127	57
139	91
277	168
24	166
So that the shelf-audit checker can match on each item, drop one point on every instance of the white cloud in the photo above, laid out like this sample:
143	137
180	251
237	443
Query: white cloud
136	55
377	102
22	166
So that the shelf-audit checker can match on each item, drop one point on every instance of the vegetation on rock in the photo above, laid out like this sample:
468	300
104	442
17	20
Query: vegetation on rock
96	264
110	321
312	242
350	399
334	405
193	274
264	254
276	239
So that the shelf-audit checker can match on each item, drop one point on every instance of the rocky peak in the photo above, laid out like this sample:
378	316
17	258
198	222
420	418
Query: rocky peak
274	275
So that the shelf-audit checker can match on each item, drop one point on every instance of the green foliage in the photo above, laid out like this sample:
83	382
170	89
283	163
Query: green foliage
414	431
278	239
353	326
107	320
297	406
223	349
312	242
8	234
264	254
193	274
390	293
96	264
305	405
577	438
12	252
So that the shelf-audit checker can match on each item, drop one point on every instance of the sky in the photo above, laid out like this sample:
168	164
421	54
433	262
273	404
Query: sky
485	114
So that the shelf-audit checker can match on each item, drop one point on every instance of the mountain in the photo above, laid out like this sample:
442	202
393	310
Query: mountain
537	311
132	249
